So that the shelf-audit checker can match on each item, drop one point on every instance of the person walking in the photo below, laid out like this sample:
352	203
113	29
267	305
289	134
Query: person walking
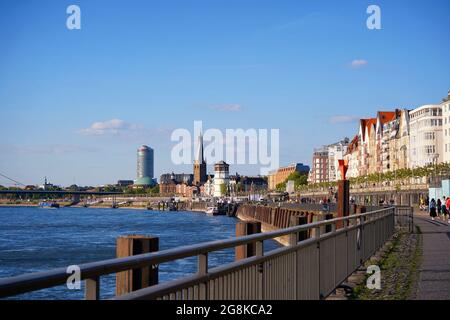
433	209
447	205
439	207
444	208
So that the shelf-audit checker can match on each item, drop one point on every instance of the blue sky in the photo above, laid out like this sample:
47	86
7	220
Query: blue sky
160	65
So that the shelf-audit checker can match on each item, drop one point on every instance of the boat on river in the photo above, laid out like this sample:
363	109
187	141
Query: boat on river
212	211
48	205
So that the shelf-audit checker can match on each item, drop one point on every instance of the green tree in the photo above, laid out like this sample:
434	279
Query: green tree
223	189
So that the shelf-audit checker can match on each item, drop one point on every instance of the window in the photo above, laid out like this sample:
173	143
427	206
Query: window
430	149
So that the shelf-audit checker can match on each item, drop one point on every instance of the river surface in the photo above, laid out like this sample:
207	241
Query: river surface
34	239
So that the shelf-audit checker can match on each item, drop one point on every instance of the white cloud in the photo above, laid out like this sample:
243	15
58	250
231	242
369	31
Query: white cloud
343	119
227	108
358	63
111	127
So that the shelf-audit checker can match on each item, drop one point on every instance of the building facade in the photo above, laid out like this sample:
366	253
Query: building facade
336	152
320	166
221	179
445	106
168	182
426	136
247	184
281	174
145	173
352	157
395	142
383	118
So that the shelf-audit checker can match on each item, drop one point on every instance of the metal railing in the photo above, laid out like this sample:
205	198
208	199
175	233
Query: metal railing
310	269
404	218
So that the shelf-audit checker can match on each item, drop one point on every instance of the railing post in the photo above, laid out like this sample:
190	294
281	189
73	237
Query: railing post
202	269
92	291
243	229
132	280
259	252
260	271
297	221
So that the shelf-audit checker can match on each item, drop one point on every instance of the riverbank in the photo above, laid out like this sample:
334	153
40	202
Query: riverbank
19	205
80	206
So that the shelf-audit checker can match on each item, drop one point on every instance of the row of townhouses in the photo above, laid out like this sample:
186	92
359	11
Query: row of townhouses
390	141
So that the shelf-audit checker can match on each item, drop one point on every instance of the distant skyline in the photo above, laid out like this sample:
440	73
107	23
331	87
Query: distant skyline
75	105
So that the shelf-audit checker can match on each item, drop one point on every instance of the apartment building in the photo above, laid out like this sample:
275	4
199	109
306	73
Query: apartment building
395	142
426	143
445	106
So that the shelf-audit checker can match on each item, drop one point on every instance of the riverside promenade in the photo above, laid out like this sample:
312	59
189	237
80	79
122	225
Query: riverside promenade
434	277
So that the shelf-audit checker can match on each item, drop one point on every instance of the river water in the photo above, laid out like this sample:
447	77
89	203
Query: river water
34	239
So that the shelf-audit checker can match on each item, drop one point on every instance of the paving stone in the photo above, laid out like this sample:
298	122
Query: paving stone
434	278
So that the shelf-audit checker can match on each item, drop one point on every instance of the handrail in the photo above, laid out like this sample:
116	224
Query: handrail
41	280
214	273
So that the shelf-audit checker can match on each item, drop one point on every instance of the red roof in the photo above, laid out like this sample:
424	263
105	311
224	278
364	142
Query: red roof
370	123
386	116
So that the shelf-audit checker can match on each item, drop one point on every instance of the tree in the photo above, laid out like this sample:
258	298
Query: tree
223	189
154	190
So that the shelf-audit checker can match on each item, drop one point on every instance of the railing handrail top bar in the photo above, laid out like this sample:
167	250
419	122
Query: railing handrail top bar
40	280
220	270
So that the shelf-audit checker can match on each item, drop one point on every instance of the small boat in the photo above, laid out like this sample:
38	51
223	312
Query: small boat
212	211
48	205
172	206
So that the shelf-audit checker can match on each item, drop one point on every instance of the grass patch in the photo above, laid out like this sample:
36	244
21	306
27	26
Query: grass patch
399	266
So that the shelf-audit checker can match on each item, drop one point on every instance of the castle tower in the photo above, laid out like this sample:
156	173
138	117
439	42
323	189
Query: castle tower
200	164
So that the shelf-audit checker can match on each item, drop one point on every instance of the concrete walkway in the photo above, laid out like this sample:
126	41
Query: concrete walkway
434	279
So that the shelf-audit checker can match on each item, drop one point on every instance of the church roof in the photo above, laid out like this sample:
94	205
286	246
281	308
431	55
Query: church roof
222	163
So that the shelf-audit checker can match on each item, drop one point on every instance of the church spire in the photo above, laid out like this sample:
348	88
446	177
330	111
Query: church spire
199	158
200	164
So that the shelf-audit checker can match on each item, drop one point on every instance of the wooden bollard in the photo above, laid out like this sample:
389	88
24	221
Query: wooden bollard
132	280
297	221
244	229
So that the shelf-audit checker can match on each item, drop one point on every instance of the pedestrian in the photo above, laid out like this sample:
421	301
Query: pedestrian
447	205
439	207
444	208
421	204
432	209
